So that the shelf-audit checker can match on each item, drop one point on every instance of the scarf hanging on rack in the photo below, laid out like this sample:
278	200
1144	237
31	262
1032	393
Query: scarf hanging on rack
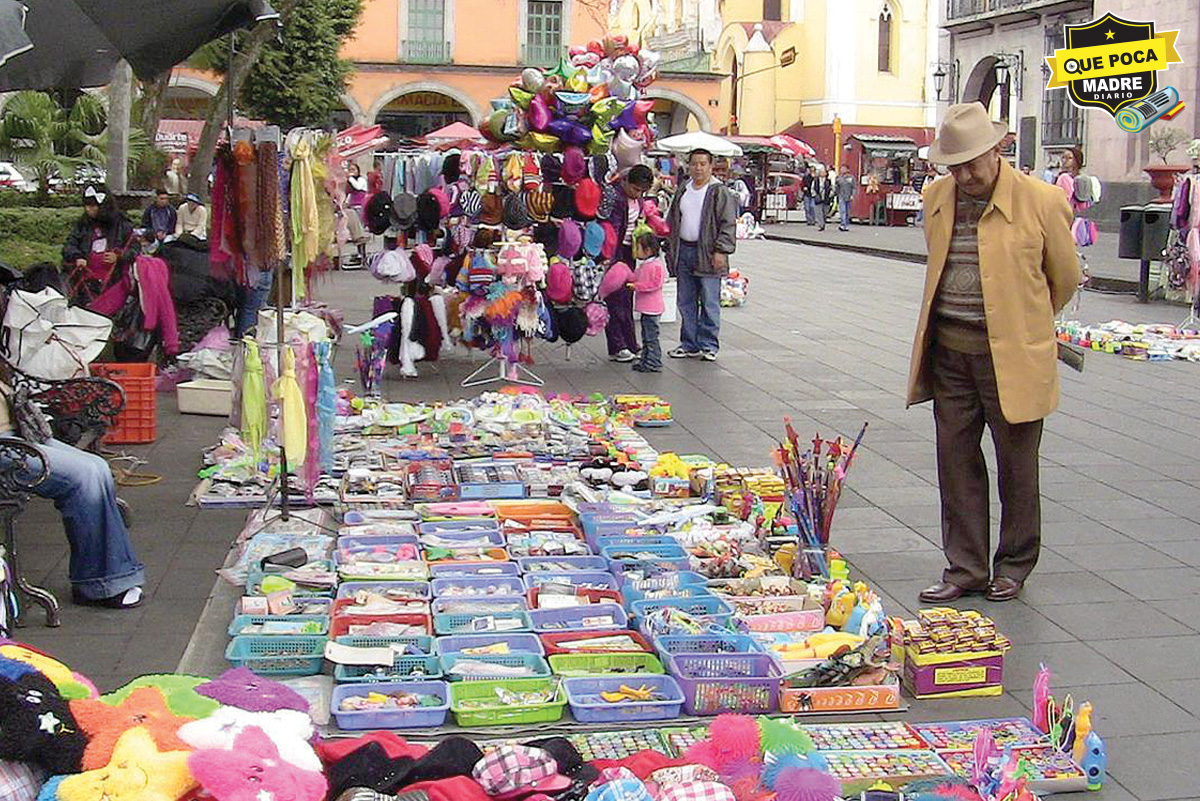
293	421
247	196
306	222
308	379
224	246
254	397
326	403
271	242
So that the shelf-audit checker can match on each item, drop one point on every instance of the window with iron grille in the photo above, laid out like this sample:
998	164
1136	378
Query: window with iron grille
543	37
885	39
1062	120
426	42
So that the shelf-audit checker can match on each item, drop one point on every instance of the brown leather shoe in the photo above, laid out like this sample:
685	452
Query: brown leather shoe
1004	588
944	591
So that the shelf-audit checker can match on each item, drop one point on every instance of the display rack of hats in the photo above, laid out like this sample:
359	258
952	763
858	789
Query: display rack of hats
520	228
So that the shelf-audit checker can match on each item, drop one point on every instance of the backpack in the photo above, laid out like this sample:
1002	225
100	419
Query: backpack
1083	189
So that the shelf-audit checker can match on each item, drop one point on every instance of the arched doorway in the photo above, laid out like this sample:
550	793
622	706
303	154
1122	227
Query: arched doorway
676	113
416	109
187	98
981	87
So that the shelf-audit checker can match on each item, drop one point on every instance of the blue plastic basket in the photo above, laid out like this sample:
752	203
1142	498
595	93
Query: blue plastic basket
403	668
593	579
746	684
416	717
478	587
556	564
631	595
360	518
600	524
517	643
461	529
664	579
649	566
716	643
672	551
420	589
241	621
445	624
277	656
254	580
426	643
583	694
485	605
628	541
709	606
381	541
578	618
533	662
469	569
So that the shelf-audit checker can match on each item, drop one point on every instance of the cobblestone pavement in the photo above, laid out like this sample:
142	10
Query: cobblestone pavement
1112	607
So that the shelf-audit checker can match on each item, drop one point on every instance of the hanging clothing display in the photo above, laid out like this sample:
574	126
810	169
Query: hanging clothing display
1182	259
293	419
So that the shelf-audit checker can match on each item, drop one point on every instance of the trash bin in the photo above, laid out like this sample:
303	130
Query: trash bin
1156	226
1130	244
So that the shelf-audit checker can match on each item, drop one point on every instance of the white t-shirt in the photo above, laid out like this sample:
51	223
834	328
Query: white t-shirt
632	213
691	209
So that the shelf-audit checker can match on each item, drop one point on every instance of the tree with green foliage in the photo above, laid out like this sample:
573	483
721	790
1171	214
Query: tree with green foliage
299	78
50	142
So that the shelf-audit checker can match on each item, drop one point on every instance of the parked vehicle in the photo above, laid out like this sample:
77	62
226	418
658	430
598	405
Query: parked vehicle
11	178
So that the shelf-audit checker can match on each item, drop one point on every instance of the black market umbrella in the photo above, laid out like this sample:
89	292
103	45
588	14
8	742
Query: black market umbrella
76	43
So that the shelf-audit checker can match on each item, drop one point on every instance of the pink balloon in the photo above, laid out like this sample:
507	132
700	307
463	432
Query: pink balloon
539	113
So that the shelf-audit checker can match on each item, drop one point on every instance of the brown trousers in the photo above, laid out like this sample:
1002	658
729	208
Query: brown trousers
964	399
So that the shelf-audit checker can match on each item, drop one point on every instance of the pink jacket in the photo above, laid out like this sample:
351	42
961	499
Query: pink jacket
648	281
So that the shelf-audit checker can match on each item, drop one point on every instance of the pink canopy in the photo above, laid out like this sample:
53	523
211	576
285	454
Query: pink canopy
453	133
793	146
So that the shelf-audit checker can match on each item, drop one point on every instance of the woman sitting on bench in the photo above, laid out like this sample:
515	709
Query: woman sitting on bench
103	568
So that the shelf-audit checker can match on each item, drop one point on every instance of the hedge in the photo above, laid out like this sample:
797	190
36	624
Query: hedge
12	198
32	235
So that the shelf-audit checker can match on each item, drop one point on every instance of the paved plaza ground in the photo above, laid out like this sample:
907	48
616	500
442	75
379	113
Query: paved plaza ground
1113	608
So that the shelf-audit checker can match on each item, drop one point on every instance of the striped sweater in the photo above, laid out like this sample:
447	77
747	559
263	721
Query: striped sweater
958	307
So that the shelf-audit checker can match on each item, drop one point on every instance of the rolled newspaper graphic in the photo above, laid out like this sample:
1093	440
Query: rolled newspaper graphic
1137	116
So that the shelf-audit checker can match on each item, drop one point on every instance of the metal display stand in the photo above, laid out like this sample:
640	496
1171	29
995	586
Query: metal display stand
478	378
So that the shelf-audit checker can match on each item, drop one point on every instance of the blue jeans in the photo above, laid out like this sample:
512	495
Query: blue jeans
844	213
810	210
252	300
81	485
651	350
699	300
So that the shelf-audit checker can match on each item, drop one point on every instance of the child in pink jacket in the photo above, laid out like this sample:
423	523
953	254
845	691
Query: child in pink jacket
647	284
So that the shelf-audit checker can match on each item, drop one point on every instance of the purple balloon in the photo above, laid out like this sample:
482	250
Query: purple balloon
625	120
577	134
558	127
538	114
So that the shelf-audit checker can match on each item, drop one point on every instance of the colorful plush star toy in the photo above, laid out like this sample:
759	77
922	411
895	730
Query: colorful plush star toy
179	691
289	730
254	771
70	685
242	688
36	724
137	771
104	723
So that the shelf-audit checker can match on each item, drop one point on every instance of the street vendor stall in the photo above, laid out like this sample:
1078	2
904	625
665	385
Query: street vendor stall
883	167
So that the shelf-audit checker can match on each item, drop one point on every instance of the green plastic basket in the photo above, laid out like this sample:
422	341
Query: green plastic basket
605	664
501	714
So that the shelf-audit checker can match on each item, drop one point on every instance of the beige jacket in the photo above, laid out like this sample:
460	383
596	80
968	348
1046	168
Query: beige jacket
1029	269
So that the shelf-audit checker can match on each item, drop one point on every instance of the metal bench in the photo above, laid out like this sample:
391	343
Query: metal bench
22	469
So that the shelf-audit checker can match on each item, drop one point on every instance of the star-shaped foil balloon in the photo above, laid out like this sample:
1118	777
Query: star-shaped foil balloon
242	688
104	724
138	770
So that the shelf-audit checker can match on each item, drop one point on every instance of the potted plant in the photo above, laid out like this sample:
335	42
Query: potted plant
1162	142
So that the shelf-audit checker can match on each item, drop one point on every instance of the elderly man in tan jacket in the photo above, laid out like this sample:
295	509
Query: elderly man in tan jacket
1001	263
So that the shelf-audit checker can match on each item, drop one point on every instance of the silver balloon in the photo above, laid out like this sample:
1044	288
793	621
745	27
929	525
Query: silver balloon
532	79
620	89
626	67
649	65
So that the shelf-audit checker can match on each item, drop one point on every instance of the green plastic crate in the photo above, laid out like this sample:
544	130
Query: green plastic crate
632	664
501	714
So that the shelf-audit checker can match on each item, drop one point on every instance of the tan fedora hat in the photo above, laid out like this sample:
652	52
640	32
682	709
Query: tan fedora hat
965	133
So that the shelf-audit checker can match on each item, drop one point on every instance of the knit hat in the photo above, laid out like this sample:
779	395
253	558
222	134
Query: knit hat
572	324
609	248
603	166
471	202
492	209
516	215
429	211
514	170
574	165
597	317
540	203
587	199
531	175
585	280
546	235
443	200
570	239
593	239
379	212
615	278
485	237
558	281
451	167
564	202
551	168
608	201
404	213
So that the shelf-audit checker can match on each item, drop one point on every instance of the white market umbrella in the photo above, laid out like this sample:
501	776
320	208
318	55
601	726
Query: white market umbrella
682	144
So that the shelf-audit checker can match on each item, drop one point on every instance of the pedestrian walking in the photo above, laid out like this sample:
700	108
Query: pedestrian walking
985	351
807	194
703	222
822	196
627	210
844	189
647	285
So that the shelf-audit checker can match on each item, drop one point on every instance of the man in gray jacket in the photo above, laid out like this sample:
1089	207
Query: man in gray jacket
844	188
703	221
